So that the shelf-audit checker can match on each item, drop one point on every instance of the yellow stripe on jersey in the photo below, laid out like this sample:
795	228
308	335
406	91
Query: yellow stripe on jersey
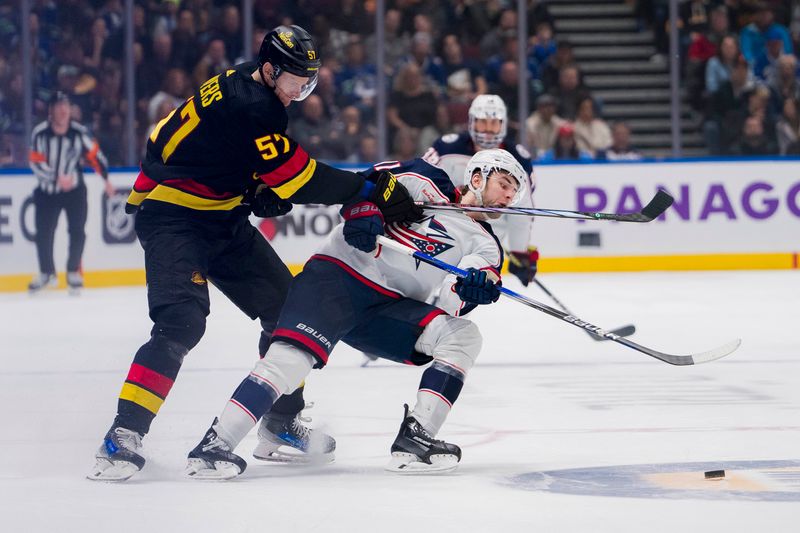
136	198
162	193
290	187
139	396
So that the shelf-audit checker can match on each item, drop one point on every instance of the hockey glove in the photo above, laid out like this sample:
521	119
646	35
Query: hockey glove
524	264
265	203
393	199
363	223
477	288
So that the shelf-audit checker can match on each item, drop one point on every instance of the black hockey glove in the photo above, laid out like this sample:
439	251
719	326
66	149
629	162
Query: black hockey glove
362	225
524	264
477	288
265	203
393	199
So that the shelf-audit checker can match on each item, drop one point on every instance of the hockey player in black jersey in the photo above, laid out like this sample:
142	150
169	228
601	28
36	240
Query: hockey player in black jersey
488	125
220	155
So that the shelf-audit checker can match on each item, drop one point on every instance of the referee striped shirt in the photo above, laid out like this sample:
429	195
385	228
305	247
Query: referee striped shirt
53	155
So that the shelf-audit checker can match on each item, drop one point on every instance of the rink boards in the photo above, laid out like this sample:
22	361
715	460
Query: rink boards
728	214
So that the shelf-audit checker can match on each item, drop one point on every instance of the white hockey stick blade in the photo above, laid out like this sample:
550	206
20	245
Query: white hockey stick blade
717	353
112	472
223	470
408	464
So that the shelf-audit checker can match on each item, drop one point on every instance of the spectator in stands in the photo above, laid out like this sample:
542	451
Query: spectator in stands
766	62
230	32
184	41
396	42
356	81
430	134
620	149
213	62
543	125
753	139
312	130
348	132
429	65
788	127
175	89
725	108
753	39
551	69
784	85
542	44
367	150
464	80
405	145
507	88
154	68
326	90
411	104
569	92
592	134
98	35
566	148
492	41
718	68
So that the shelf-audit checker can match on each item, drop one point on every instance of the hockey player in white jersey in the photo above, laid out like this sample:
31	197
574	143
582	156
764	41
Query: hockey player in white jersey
374	300
488	128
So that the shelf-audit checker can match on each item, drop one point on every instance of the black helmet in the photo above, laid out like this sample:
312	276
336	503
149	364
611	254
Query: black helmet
291	49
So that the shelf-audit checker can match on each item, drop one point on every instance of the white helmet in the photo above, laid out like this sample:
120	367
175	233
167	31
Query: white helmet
495	159
488	106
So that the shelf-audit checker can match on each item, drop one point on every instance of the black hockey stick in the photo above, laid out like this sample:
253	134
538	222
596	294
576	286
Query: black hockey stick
624	331
680	360
660	202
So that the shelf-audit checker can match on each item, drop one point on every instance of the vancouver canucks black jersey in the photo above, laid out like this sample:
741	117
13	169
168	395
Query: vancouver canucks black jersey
229	135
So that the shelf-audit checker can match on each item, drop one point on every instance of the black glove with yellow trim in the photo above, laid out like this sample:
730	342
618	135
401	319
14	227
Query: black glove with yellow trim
524	265
392	198
265	203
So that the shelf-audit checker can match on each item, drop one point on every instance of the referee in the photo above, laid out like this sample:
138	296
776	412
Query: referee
57	146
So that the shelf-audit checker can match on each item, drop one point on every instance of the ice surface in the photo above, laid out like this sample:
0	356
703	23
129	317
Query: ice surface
559	432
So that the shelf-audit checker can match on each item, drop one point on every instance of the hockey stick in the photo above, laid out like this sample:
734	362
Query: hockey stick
680	360
624	331
660	202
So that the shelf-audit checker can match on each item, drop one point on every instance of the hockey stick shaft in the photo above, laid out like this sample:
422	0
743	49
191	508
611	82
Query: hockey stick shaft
657	205
679	360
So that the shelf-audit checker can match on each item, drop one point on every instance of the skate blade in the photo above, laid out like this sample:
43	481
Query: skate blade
408	464
288	455
112	472
221	471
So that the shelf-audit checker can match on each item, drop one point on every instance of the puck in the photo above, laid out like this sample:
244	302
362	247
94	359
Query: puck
715	474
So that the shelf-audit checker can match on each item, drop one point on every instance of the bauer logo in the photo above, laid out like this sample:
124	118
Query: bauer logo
316	334
117	225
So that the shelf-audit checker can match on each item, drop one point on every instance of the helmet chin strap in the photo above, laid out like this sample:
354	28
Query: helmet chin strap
273	77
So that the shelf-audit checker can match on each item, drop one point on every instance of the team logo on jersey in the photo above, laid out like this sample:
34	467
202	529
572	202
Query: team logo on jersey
429	244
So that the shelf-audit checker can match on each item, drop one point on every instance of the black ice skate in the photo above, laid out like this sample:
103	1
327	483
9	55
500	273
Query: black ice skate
119	456
415	452
214	459
286	439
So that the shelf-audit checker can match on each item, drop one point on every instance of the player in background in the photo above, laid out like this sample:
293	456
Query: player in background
488	126
375	301
224	145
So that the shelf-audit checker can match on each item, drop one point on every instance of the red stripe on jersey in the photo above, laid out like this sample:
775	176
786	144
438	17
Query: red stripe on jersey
288	170
245	409
198	189
430	316
347	268
302	339
143	183
445	400
149	379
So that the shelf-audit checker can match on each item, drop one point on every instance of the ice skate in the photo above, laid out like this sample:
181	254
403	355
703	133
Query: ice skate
415	452
286	439
42	281
214	459
119	456
74	282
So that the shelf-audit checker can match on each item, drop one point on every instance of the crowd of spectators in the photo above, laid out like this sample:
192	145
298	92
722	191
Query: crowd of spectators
740	71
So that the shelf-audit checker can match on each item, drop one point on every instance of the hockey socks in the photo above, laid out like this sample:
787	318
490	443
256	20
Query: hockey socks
438	390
